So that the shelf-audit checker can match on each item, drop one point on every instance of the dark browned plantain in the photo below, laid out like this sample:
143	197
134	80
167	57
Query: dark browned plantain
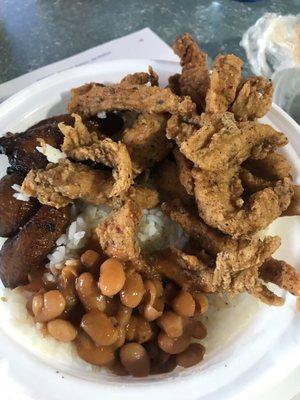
29	248
14	213
20	148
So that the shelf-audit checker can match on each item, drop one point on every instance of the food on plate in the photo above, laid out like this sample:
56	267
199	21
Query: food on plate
93	99
125	216
194	78
28	249
14	213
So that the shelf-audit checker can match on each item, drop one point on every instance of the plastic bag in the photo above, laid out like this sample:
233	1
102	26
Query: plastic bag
272	46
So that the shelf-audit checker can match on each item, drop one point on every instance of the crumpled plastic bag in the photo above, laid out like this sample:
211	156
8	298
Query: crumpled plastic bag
272	46
273	43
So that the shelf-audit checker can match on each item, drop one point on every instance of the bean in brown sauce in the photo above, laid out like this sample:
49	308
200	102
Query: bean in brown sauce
91	260
201	302
184	304
62	330
195	329
48	306
171	323
88	292
135	359
191	356
133	290
112	277
99	327
173	345
89	352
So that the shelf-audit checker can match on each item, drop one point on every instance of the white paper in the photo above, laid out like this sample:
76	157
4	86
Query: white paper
141	44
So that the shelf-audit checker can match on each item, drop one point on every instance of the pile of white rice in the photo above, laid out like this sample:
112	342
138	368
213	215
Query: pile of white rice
156	231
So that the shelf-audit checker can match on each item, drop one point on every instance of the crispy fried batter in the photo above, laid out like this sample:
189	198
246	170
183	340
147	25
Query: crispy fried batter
66	181
294	207
252	183
261	292
167	181
218	188
117	233
233	144
214	242
146	141
210	239
81	145
254	99
174	84
221	206
235	272
194	145
281	274
144	197
185	171
224	82
179	130
129	97
141	78
194	79
262	173
272	167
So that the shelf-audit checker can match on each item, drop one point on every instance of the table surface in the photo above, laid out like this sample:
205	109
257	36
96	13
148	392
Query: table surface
34	33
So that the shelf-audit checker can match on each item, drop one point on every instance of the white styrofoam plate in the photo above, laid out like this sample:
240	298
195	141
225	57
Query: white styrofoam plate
259	345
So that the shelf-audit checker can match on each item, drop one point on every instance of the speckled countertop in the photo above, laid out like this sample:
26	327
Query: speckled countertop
34	33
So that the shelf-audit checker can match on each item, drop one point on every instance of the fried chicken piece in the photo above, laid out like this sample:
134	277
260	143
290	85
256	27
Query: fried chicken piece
14	213
141	78
129	97
238	270
218	188
187	271
61	183
294	207
262	173
174	84
272	167
214	242
146	141
235	272
221	206
210	239
185	167
194	79
166	179
233	144
144	197
261	292
117	233
29	248
224	81
195	144
179	130
80	145
252	183
281	274
254	99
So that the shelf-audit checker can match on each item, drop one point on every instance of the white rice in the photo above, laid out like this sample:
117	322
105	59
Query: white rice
52	154
19	195
156	231
101	115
